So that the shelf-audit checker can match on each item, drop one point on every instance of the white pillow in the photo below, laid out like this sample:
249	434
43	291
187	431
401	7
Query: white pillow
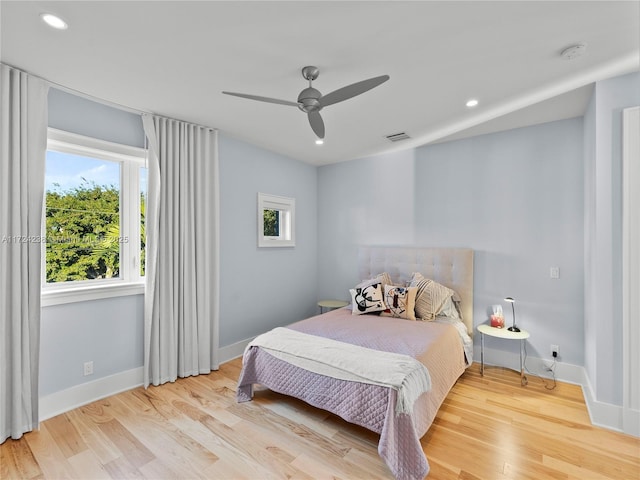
367	299
450	309
400	302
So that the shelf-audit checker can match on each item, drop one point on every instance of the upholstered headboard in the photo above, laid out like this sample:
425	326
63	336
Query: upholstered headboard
452	267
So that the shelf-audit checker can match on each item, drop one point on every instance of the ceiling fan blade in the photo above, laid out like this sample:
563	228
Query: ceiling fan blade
345	93
263	99
317	124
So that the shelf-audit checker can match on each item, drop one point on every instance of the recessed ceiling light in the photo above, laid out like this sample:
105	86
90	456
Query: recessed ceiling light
54	21
319	141
472	103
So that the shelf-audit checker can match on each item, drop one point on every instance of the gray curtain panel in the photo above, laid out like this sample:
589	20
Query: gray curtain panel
182	269
23	144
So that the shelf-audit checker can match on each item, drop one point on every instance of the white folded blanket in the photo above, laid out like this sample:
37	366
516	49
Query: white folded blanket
345	361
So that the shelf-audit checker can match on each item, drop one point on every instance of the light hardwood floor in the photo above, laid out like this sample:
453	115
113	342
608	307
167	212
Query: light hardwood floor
488	428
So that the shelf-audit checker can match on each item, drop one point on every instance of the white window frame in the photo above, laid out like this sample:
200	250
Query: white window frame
129	282
287	208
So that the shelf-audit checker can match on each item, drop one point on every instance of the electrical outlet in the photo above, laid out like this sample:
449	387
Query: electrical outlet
555	349
554	272
88	368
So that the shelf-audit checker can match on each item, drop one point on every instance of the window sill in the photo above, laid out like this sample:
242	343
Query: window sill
59	296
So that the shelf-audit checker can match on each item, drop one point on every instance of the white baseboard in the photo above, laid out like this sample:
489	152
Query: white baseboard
601	414
611	416
79	395
631	422
74	397
565	372
235	350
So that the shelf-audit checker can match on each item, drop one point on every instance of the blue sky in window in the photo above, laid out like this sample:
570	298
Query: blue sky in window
65	171
143	181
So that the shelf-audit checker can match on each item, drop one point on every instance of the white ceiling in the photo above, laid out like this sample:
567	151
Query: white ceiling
175	58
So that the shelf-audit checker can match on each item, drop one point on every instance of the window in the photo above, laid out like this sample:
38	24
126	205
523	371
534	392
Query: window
276	221
94	215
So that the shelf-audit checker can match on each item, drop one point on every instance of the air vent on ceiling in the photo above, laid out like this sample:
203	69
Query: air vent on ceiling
396	137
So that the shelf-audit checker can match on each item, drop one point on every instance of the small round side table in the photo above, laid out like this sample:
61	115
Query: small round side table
331	304
522	335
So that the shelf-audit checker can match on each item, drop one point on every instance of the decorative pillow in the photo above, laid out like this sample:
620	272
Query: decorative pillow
450	308
367	299
400	302
431	298
382	278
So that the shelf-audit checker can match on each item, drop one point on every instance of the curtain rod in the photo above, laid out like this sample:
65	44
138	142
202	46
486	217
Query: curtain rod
102	101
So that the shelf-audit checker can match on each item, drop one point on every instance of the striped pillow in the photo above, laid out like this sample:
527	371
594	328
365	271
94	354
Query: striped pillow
431	297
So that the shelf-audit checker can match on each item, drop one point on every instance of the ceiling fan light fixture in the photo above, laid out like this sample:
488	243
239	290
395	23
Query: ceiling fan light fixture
54	21
319	141
472	102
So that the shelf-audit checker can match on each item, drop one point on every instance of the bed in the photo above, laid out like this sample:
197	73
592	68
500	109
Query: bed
400	415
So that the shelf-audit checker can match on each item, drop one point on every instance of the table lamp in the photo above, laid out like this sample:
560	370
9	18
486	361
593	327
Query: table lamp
513	327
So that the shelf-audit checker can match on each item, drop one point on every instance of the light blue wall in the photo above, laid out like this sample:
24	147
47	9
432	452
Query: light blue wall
367	201
603	220
262	288
515	197
72	113
107	332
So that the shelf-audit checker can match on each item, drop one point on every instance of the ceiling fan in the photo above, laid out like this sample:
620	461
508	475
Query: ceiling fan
311	101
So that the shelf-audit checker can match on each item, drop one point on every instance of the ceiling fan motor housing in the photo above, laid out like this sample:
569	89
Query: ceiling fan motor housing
309	100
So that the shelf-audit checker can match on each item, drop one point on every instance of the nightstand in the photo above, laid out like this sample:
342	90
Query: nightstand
331	304
522	335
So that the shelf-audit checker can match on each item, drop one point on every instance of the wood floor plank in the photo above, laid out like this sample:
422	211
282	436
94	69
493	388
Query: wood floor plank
93	437
130	447
184	453
17	461
442	470
488	428
157	468
69	440
320	470
120	468
88	465
312	418
232	464
244	449
50	458
232	469
302	432
271	449
369	465
214	402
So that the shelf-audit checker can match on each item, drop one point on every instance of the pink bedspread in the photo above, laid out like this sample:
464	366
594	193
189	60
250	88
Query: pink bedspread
437	346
